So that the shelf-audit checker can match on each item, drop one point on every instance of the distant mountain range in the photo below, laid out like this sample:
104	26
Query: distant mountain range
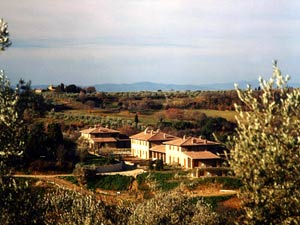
150	86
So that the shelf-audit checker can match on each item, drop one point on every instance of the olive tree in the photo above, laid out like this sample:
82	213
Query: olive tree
173	208
4	35
10	142
265	151
11	149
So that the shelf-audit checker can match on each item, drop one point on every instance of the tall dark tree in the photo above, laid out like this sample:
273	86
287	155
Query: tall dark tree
72	88
55	139
60	88
35	142
29	103
136	120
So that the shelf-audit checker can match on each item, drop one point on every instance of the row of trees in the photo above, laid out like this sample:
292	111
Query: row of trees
143	101
72	88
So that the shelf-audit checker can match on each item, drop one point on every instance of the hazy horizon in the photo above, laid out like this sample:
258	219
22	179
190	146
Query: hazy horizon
170	42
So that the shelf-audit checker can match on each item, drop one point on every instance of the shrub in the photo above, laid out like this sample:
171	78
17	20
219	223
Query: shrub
71	179
226	182
158	180
110	182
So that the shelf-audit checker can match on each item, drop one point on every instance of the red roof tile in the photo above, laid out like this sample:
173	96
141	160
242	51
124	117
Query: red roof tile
190	141
151	135
201	155
99	130
104	140
159	148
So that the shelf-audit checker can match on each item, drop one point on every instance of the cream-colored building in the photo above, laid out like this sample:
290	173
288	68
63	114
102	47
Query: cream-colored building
192	152
142	142
102	137
188	152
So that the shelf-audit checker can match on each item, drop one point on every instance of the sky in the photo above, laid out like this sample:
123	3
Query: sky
87	42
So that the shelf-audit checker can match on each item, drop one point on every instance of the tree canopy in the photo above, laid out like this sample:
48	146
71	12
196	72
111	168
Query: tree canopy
4	35
265	153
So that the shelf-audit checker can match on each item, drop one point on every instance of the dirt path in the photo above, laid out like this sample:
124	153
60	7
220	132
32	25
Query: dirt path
43	176
132	173
55	180
107	196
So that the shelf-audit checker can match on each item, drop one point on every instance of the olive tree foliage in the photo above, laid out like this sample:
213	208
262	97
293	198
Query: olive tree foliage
173	208
4	36
10	142
265	153
11	138
68	207
62	206
20	204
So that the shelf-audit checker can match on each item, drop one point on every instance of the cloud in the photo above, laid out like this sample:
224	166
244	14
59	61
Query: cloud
150	39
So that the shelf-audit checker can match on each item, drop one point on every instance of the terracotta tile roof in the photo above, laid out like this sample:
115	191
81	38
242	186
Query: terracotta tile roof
151	135
190	141
104	140
99	130
159	148
201	155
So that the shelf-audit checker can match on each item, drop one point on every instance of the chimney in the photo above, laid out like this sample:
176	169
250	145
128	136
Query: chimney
184	137
146	130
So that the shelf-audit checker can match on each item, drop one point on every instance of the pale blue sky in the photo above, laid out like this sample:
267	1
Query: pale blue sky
167	41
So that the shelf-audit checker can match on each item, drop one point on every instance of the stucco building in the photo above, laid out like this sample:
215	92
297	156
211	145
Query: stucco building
102	137
193	152
142	142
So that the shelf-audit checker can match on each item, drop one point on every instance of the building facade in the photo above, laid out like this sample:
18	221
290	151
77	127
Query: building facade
142	142
102	137
193	152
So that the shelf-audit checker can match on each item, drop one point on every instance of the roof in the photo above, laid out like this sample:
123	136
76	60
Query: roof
104	140
159	148
201	155
99	130
151	135
190	141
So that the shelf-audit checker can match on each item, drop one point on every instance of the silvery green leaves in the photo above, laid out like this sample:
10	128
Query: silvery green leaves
8	101
10	123
265	153
4	35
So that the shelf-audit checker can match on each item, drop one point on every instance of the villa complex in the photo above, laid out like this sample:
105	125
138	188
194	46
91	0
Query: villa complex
187	152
